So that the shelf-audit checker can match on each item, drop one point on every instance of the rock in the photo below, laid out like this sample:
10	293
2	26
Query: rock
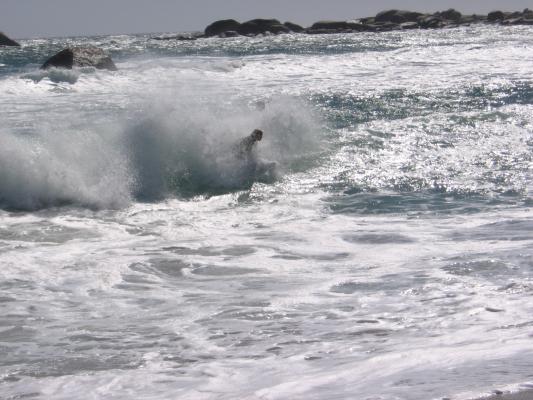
387	26
294	27
371	27
431	22
221	26
495	16
330	25
181	36
409	25
277	29
338	26
367	20
397	16
5	41
229	34
81	57
320	31
358	27
518	21
527	13
451	15
261	26
468	19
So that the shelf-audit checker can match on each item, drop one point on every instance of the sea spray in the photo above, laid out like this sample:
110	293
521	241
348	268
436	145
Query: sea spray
188	147
62	165
164	146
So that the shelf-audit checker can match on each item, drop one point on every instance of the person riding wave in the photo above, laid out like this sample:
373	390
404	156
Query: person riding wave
246	146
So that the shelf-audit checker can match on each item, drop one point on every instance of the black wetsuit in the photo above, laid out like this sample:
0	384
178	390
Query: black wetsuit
245	148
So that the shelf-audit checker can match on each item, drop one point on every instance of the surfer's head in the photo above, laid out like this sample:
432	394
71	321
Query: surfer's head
257	134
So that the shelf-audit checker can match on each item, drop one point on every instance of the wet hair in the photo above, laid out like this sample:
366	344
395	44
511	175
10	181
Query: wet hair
257	133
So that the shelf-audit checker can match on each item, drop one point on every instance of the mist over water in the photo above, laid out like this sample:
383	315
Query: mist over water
386	253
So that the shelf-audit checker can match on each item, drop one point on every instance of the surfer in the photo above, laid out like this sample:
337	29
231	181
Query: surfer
246	145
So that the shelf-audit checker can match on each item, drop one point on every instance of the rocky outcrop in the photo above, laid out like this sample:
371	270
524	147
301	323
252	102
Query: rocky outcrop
517	18
262	26
388	20
336	26
495	16
397	16
259	26
5	41
229	34
81	57
221	26
450	15
294	27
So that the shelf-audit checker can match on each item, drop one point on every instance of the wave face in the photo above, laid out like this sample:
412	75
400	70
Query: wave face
377	246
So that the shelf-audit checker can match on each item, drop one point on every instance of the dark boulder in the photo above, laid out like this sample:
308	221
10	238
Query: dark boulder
431	22
229	34
451	15
5	41
409	25
221	26
277	29
311	31
495	16
81	57
330	25
471	19
386	27
294	27
367	20
527	14
338	26
518	21
180	36
259	26
397	16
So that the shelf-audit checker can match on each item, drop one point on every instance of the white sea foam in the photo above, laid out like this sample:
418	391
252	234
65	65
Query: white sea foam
60	164
55	75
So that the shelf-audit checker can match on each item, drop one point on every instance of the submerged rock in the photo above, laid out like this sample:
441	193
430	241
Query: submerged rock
5	41
294	27
180	36
81	57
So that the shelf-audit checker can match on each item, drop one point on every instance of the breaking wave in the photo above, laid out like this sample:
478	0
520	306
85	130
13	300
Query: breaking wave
175	147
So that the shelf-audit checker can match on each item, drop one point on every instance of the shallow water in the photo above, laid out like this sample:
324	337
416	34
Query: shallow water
388	258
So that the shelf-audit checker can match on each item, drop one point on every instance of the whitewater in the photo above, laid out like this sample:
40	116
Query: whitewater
390	255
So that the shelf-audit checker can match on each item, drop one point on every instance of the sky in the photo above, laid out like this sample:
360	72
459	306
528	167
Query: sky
48	18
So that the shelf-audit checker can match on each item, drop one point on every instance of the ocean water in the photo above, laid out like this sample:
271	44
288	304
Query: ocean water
388	256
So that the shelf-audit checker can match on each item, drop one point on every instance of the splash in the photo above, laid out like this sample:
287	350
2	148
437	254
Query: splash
63	166
189	149
177	147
